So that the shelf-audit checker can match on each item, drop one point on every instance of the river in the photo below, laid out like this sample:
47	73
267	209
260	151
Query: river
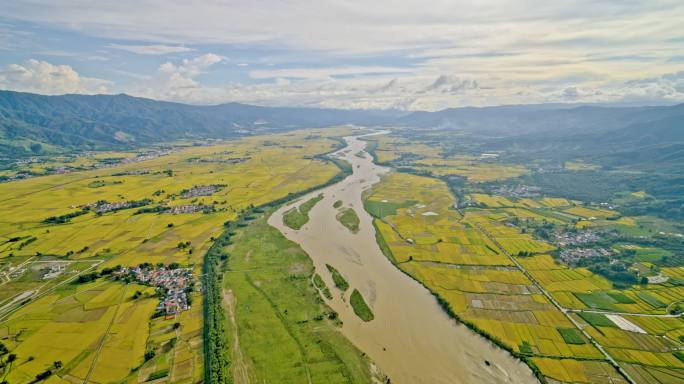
411	339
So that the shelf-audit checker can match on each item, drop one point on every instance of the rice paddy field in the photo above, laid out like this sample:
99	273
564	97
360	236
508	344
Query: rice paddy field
462	255
429	157
139	211
250	171
79	325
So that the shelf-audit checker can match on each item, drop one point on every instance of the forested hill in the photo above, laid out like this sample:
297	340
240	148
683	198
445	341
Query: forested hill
546	119
61	123
103	121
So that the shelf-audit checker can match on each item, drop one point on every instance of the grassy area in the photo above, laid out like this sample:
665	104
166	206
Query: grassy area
296	217
597	320
320	284
349	219
571	336
338	279
360	307
381	209
285	333
337	204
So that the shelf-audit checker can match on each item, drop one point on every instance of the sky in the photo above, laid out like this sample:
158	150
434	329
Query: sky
381	54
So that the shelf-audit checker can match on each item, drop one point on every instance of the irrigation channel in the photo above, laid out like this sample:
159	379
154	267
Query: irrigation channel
411	339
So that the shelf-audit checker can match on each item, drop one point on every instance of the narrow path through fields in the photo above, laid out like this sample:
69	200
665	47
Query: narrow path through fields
239	366
104	336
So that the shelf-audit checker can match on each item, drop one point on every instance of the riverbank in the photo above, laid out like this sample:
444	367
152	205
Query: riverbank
410	338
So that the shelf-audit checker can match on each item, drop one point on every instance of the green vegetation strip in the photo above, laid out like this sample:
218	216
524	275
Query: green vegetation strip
349	219
215	344
320	284
296	217
339	281
360	307
158	375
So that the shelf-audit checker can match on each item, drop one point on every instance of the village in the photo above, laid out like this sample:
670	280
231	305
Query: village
201	190
173	285
190	208
572	256
97	164
518	191
570	238
103	206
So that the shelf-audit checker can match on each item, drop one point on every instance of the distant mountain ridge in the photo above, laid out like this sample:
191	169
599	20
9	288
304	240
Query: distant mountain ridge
518	120
99	121
81	122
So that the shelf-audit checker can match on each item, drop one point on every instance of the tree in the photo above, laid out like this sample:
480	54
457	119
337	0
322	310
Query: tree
57	364
36	147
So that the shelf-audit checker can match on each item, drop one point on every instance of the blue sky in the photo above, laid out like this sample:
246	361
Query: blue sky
404	54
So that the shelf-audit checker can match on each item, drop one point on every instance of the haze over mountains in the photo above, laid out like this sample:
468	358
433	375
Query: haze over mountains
103	121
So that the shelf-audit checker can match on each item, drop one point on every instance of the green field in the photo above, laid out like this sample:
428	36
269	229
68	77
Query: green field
349	219
296	217
285	333
571	336
597	320
381	209
361	309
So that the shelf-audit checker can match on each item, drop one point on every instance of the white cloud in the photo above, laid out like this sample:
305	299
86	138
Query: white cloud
152	49
326	72
45	78
357	26
452	84
177	81
386	53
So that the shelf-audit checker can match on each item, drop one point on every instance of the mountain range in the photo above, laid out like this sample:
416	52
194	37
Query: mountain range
31	123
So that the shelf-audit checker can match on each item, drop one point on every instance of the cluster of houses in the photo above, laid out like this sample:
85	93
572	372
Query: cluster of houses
609	206
27	175
103	206
519	191
190	208
201	190
574	255
146	156
103	163
564	239
175	285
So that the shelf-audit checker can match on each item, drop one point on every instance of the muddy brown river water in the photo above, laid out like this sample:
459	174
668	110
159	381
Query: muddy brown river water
411	339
